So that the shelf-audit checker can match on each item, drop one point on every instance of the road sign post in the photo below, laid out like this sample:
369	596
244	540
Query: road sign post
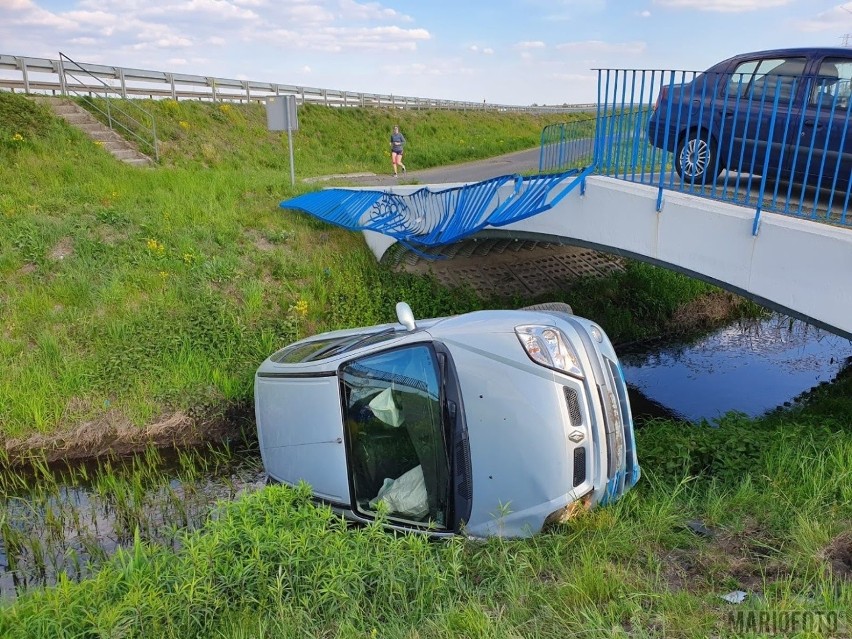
281	116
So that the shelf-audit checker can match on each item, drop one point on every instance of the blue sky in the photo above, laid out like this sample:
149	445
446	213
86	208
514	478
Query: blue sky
507	52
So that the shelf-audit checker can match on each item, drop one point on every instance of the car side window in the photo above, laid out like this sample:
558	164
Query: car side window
395	430
778	76
832	84
762	79
741	78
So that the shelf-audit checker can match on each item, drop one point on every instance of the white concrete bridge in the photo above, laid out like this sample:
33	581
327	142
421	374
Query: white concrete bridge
799	267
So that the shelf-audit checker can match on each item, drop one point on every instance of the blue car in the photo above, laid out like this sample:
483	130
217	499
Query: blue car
782	114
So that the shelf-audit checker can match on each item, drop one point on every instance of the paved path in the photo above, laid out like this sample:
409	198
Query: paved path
517	162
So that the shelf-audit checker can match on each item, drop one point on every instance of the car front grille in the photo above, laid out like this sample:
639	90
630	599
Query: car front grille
579	466
573	403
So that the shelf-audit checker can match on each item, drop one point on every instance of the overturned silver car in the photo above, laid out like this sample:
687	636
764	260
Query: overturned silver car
487	423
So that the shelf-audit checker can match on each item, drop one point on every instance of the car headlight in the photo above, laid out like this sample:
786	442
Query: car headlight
548	346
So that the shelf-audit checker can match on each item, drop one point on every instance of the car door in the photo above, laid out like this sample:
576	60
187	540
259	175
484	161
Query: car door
394	422
824	154
761	106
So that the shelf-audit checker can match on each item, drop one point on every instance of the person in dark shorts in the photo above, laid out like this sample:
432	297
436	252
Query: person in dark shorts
397	142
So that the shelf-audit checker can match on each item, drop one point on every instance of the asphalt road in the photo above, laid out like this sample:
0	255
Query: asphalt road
517	162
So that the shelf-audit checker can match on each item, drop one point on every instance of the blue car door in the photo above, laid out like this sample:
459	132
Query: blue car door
761	107
823	159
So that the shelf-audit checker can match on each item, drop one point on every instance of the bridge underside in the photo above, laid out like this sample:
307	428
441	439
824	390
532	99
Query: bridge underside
506	267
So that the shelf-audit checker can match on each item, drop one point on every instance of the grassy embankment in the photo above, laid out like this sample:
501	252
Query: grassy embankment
134	294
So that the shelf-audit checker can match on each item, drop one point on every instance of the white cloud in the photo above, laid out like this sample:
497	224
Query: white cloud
839	16
644	14
352	10
529	44
595	47
17	5
343	39
723	6
474	48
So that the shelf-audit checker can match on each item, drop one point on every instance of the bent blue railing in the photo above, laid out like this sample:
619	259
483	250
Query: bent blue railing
775	142
431	218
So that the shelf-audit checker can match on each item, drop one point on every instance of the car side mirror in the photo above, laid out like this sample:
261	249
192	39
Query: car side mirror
405	316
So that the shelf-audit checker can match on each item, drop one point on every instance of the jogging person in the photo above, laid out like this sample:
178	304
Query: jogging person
397	141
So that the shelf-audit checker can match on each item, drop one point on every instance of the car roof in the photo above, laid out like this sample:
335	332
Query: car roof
797	51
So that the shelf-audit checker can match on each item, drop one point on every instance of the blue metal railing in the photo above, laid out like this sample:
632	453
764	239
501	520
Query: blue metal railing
427	218
774	142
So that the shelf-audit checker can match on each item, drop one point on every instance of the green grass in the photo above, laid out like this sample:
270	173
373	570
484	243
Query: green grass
140	292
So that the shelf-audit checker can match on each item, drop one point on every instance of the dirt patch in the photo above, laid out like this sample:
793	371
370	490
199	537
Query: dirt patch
63	249
838	554
113	433
707	311
683	570
27	269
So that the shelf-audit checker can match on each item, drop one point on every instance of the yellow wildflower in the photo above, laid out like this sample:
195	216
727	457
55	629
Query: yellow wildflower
18	137
164	274
155	247
98	143
225	108
301	307
184	124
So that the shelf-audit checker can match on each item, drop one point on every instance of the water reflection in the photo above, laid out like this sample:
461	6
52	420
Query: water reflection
750	366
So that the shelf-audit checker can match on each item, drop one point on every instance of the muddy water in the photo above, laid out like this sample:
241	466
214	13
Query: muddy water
70	520
751	367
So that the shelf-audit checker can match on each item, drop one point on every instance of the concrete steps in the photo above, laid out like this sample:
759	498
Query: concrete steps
111	141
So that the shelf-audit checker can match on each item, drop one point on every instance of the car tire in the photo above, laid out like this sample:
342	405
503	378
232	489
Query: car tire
559	307
695	159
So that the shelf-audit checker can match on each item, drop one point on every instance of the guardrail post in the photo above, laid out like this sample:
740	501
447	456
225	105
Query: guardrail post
22	65
212	83
170	77
60	70
123	83
325	96
248	91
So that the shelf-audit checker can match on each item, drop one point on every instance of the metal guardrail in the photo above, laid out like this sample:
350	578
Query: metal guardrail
42	75
780	143
139	125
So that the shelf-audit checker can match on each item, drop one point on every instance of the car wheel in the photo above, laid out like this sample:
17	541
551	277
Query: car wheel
696	157
559	307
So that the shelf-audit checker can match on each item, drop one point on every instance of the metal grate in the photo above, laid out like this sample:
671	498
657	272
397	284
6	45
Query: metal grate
579	466
573	406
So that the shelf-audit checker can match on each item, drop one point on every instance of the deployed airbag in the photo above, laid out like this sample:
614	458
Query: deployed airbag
405	495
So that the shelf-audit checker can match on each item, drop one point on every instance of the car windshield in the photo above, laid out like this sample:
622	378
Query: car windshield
323	348
393	422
